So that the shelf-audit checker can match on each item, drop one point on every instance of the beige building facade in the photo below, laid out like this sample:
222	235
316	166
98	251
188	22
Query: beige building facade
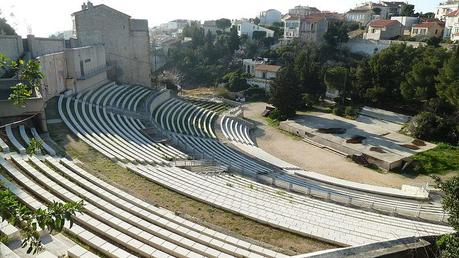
126	41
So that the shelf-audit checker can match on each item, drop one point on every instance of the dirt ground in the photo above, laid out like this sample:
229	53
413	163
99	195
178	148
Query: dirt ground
309	157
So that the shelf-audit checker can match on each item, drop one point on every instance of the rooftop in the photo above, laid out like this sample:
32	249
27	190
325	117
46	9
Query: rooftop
427	25
268	68
383	23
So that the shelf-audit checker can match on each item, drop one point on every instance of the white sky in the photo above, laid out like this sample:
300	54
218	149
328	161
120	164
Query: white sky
45	17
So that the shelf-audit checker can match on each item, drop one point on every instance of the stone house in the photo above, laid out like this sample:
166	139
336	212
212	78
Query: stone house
383	30
427	30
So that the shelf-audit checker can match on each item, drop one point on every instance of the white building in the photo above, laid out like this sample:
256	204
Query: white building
446	7
249	64
452	26
365	13
308	28
407	22
264	75
302	11
247	28
269	17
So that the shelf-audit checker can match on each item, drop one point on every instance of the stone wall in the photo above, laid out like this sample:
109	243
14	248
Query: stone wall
11	46
126	42
54	68
370	47
43	46
86	67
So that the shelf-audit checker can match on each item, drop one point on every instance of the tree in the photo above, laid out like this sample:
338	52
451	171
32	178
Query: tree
431	127
52	218
236	81
286	94
258	35
449	244
234	40
448	80
308	67
337	33
5	28
419	83
336	78
223	23
377	10
429	15
407	10
195	32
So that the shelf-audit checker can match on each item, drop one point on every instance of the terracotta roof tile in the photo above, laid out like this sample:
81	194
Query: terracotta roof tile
383	23
427	24
453	13
268	68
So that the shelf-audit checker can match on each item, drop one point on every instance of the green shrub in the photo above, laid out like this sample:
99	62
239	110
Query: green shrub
338	110
431	127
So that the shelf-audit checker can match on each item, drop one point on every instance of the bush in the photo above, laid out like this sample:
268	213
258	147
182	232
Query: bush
310	99
236	81
350	111
431	127
275	115
255	94
338	110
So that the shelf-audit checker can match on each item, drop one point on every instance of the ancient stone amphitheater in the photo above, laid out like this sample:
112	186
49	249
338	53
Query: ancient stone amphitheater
202	149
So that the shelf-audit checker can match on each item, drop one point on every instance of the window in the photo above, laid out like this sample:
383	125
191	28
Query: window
264	75
415	31
87	60
373	31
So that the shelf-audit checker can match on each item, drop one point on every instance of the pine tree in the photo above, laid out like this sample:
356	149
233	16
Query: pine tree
448	80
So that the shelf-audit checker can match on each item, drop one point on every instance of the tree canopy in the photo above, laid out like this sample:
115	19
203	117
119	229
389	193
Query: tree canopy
223	23
5	28
407	10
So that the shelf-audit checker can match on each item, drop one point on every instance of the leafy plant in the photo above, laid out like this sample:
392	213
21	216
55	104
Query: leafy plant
34	147
449	244
52	218
29	75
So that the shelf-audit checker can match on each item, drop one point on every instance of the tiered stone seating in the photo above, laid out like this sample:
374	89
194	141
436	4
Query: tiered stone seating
181	117
14	141
140	228
4	147
116	136
217	107
223	154
10	231
291	212
86	236
158	215
26	139
235	131
6	252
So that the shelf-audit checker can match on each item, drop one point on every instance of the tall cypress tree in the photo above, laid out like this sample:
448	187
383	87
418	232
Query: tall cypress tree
286	92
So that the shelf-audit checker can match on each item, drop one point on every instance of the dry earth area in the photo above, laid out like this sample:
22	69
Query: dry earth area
309	157
204	214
